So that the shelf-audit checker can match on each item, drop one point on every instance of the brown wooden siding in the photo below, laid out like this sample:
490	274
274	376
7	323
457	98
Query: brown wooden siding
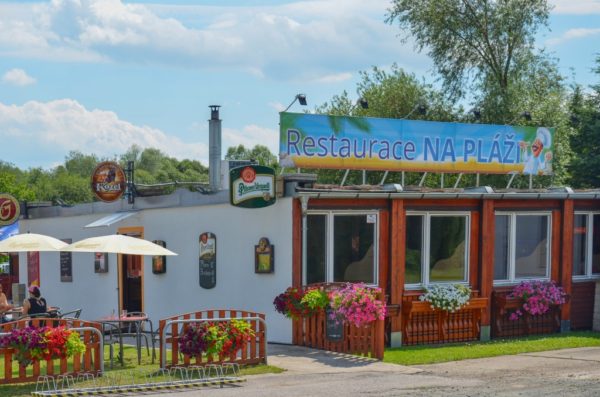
582	305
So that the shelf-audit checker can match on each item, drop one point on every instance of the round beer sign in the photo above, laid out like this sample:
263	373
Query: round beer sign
108	181
9	209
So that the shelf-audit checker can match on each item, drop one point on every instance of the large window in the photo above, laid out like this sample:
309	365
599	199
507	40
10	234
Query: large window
341	247
436	248
586	245
521	246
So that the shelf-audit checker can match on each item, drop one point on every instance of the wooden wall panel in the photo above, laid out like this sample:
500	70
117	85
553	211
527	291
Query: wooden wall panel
397	259
582	305
566	260
486	279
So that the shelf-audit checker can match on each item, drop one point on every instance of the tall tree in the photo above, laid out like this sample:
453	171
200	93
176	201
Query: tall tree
473	40
260	153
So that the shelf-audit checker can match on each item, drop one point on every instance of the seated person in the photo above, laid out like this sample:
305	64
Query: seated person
35	304
4	306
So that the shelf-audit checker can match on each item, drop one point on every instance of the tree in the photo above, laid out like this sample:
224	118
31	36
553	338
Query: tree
81	164
585	142
260	153
480	39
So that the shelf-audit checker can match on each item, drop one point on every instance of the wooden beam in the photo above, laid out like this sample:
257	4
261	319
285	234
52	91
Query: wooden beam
398	254
486	271
566	265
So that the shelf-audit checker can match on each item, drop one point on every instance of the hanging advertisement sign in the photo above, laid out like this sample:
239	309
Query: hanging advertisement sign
108	181
208	260
9	209
252	186
323	141
66	264
33	268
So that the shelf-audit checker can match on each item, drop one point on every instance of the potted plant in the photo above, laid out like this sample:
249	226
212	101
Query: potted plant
448	297
223	338
536	298
32	343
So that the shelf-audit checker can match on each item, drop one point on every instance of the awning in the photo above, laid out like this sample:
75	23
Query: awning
111	219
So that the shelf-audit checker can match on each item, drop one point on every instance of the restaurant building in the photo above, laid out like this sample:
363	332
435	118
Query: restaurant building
400	238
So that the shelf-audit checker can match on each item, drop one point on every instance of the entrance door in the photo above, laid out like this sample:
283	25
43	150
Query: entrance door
131	275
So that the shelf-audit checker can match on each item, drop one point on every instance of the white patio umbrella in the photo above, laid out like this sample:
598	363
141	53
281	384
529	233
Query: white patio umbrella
118	244
31	242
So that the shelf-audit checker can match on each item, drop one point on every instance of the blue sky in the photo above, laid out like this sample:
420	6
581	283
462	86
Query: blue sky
100	75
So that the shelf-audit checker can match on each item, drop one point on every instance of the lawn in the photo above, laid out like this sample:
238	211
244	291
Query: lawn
123	373
413	355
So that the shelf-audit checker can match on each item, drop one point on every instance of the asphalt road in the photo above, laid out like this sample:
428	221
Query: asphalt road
571	372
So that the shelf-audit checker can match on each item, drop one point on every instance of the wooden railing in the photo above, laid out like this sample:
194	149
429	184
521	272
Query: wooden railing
527	324
89	362
170	330
423	325
366	341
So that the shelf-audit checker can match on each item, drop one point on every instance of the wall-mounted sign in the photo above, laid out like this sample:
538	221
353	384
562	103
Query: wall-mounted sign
159	262
252	186
100	262
33	268
9	209
264	256
208	260
322	141
66	264
108	181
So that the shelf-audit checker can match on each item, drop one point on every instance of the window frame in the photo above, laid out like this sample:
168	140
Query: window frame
329	241
426	246
512	239
589	249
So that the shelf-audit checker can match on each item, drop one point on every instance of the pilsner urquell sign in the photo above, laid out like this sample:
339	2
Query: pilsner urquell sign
322	141
252	186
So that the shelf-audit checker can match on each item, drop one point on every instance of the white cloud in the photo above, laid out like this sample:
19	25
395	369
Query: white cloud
573	34
334	78
250	136
298	40
576	7
17	77
67	125
280	107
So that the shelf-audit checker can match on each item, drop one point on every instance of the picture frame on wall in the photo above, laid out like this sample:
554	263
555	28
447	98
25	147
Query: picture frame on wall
264	256
159	262
100	262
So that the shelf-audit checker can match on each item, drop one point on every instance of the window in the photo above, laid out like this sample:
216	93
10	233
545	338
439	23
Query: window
586	245
521	246
340	247
436	248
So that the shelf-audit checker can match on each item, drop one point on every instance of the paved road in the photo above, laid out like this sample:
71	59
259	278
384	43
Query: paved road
571	372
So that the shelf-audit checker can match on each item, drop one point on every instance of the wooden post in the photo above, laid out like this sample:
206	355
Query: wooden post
486	272
566	265
397	260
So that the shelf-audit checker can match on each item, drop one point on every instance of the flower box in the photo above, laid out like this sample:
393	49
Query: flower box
503	305
443	323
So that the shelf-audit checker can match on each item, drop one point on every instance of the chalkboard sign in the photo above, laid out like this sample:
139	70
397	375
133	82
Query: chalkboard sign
334	329
208	260
66	264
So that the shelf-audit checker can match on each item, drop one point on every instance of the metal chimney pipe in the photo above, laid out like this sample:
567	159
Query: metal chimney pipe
214	148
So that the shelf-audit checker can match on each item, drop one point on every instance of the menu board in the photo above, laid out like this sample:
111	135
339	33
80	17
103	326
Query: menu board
208	260
334	329
66	264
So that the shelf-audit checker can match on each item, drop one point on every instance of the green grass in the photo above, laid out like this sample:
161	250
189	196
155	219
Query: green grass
123	373
414	355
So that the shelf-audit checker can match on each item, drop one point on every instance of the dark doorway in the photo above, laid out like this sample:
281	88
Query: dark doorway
131	275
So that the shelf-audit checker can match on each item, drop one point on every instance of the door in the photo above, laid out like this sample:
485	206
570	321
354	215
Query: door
131	275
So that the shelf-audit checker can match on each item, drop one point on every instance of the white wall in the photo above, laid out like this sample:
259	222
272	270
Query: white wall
178	290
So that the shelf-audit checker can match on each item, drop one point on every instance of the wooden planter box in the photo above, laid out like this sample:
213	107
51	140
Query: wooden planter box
423	324
503	306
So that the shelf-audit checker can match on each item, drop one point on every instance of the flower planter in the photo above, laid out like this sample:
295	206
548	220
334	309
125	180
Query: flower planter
503	306
444	327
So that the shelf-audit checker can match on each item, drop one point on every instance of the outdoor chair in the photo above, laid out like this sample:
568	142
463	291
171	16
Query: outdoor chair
132	331
70	314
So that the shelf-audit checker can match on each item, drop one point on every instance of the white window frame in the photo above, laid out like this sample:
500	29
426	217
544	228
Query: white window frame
329	238
512	241
426	245
589	239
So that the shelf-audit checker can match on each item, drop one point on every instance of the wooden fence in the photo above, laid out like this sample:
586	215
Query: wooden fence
423	325
89	362
365	341
253	352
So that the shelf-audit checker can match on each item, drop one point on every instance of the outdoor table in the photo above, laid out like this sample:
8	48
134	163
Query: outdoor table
126	321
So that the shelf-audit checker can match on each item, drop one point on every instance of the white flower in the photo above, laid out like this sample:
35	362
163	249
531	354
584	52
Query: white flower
447	297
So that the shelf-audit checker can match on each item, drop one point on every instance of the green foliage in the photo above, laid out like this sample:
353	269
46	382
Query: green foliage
260	153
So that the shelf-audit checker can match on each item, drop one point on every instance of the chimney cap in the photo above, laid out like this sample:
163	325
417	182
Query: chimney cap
214	112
